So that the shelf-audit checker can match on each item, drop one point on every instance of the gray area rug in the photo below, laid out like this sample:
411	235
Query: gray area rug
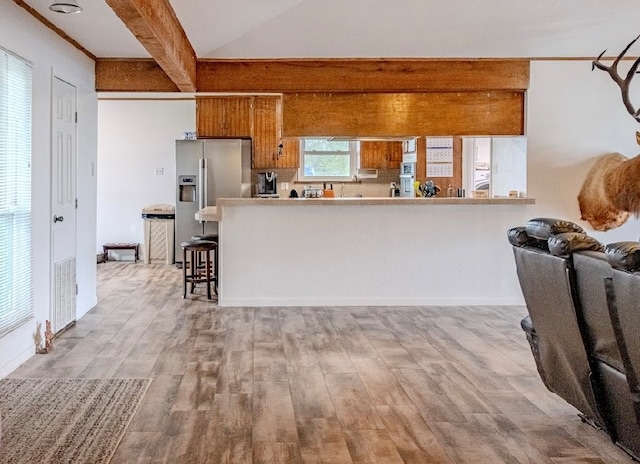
66	420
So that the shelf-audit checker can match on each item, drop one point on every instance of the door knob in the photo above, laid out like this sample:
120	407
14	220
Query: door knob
57	219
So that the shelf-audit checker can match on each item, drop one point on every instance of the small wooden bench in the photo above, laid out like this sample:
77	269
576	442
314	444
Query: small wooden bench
119	246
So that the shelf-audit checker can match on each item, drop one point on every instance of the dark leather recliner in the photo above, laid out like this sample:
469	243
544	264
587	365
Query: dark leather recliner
623	292
591	269
548	286
570	330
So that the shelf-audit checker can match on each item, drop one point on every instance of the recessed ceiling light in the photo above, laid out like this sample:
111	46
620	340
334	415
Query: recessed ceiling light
66	7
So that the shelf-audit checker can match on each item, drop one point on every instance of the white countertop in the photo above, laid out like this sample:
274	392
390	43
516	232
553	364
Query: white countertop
213	213
375	201
208	214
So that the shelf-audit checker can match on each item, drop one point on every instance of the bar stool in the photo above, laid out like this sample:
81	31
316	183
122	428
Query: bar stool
211	238
198	268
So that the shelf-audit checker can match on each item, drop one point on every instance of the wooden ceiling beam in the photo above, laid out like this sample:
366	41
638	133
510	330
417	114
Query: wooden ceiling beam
361	75
156	26
140	75
336	75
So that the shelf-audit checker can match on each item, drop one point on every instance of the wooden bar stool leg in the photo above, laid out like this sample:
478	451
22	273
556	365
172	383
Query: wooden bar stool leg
184	272
208	274
194	270
216	270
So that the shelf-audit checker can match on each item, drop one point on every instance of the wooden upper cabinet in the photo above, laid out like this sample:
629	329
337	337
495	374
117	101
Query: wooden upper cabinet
290	157
267	136
380	155
266	133
224	116
258	117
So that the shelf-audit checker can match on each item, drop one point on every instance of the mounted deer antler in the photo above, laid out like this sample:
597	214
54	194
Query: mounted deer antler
622	83
611	192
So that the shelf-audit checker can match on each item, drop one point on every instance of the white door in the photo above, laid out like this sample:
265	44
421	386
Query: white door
63	205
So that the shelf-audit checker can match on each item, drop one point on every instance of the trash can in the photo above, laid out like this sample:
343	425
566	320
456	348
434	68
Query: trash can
158	233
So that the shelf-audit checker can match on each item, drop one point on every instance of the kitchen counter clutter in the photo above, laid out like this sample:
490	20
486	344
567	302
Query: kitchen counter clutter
368	251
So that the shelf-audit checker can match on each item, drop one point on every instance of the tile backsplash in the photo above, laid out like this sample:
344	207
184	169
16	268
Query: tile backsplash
379	187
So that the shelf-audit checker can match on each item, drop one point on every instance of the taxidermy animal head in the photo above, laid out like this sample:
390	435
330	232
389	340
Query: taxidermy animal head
611	190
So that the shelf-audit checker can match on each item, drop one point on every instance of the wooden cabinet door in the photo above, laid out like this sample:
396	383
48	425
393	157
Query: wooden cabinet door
224	116
290	158
380	155
267	130
394	155
266	135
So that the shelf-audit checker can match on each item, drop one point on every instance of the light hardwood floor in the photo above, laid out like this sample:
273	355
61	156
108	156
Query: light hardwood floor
318	384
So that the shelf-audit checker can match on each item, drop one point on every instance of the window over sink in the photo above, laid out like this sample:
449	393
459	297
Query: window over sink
328	160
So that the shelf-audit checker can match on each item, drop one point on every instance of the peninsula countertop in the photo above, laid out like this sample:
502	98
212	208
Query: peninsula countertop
375	201
213	213
208	214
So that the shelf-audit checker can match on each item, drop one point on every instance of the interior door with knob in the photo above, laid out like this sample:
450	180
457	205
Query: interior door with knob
63	205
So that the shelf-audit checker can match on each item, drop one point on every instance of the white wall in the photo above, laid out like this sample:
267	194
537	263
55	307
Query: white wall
137	137
574	116
50	55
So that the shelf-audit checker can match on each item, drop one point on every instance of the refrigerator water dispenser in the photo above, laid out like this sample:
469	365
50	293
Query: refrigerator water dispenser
187	189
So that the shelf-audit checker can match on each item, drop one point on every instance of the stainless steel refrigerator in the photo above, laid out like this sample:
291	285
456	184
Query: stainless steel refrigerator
206	170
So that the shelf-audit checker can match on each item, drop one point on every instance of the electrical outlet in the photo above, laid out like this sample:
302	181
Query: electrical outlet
284	186
159	171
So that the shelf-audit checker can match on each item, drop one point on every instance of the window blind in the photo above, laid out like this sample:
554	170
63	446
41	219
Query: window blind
16	289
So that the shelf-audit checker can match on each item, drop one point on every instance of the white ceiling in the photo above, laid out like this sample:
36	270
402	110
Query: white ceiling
371	28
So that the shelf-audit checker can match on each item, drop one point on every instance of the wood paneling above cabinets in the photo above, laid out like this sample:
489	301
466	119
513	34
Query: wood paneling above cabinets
403	114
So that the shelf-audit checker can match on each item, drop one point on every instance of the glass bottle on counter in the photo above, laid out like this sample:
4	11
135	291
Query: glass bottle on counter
450	191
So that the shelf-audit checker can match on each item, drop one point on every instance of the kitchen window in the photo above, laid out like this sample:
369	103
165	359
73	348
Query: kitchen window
326	159
16	289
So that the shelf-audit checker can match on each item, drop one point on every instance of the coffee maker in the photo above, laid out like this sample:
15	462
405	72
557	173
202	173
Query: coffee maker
267	185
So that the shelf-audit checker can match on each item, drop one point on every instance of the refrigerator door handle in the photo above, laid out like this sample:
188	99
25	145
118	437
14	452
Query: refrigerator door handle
206	182
202	198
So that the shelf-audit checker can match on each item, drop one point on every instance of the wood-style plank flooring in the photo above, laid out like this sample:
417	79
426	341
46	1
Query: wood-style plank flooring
318	384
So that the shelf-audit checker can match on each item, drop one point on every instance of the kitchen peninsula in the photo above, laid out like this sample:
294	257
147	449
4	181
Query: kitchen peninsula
367	251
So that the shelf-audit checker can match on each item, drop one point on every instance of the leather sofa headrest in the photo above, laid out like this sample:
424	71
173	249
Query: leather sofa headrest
624	255
518	237
543	228
565	243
